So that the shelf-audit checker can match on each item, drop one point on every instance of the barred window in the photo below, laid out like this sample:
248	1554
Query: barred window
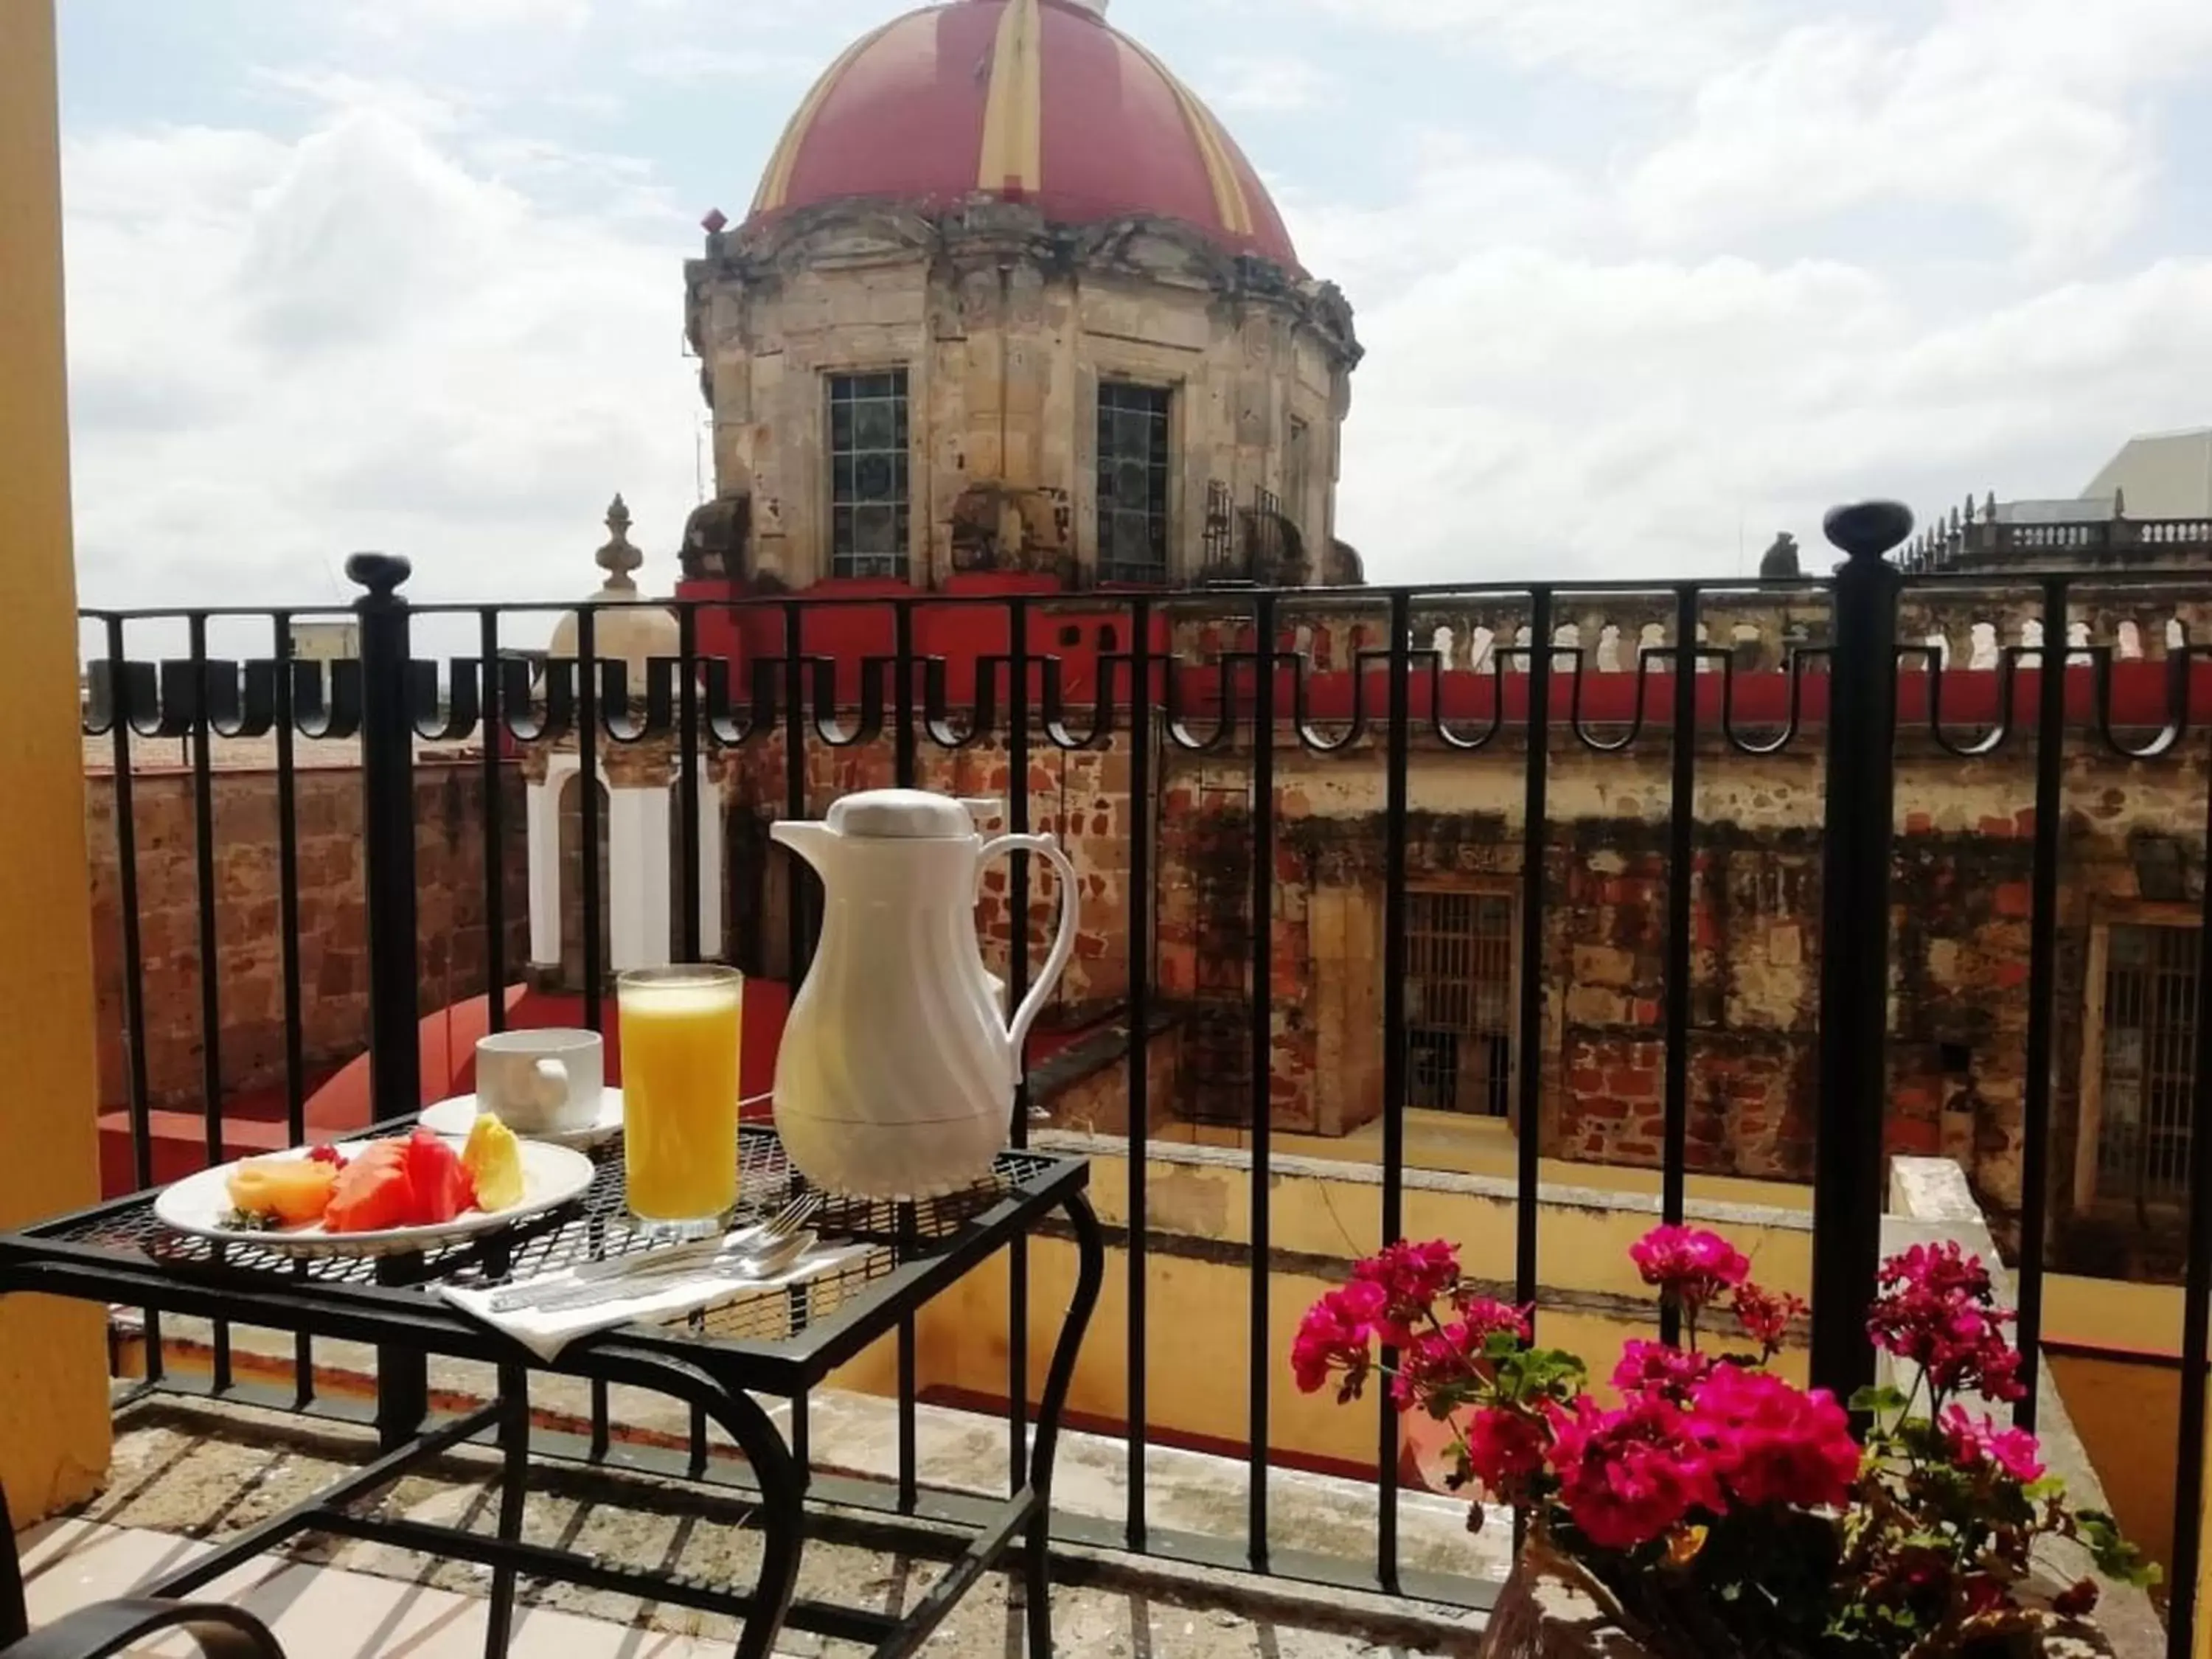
1132	482
1459	1002
868	495
2146	1067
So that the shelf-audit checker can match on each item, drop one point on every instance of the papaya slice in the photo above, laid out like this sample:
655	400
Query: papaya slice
373	1192
419	1181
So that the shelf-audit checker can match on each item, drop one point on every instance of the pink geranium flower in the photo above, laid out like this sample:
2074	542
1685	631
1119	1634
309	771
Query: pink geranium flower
1980	1442
1689	1264
1770	1442
1654	1368
1765	1315
1631	1476
1412	1277
1437	1362
1506	1447
1336	1335
1937	1309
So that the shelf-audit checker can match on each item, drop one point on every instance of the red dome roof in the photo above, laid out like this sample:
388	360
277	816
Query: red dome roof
1034	100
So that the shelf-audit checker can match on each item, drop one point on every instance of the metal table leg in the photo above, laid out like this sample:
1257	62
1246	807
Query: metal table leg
514	1492
1036	1562
783	1507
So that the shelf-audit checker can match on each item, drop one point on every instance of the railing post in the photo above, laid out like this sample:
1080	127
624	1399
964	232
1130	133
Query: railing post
387	777
1853	1094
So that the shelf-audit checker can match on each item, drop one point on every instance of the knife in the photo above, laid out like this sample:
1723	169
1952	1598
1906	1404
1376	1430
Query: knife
656	1276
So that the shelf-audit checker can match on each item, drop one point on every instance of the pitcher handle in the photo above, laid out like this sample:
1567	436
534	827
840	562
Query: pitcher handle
1063	945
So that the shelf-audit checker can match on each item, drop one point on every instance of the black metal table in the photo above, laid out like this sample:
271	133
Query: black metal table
780	1344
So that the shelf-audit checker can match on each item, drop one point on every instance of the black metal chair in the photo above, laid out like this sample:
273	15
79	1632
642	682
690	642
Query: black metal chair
111	1627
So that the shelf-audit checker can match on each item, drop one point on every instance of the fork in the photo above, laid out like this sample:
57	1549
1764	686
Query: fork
762	1240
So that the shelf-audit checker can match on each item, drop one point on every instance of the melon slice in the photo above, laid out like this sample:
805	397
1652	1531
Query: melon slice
295	1191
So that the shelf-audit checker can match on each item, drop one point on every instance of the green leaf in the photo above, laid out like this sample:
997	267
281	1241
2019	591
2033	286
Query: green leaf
1878	1401
2115	1556
2042	1491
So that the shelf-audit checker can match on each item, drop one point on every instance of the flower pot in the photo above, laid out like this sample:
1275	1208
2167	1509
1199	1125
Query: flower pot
1551	1608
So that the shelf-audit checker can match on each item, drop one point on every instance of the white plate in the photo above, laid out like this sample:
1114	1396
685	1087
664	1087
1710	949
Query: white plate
453	1117
551	1175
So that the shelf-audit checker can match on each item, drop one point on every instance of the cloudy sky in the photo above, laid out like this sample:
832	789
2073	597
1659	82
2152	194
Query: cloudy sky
1642	281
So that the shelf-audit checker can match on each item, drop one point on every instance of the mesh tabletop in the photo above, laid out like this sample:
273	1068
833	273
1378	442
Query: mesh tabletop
596	1226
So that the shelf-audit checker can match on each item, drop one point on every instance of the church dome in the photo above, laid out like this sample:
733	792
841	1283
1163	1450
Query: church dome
1041	101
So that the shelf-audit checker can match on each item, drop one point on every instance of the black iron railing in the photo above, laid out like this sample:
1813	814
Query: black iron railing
1393	680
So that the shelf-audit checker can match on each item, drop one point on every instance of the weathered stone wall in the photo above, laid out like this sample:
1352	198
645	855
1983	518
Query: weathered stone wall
1959	941
1005	331
450	915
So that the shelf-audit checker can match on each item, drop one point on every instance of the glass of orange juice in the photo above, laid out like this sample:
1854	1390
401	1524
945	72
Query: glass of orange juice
679	1081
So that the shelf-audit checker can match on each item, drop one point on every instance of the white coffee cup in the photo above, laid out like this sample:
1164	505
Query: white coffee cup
541	1082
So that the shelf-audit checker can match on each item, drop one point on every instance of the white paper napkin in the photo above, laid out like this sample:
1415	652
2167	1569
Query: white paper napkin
546	1333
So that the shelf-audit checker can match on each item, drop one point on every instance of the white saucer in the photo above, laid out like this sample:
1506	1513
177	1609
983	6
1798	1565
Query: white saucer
454	1117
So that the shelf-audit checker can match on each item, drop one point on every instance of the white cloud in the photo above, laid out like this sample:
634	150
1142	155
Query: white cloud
682	63
1531	411
1840	115
1630	43
281	352
1272	85
400	19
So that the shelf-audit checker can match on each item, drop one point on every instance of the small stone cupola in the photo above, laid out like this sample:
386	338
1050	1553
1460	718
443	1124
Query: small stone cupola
637	795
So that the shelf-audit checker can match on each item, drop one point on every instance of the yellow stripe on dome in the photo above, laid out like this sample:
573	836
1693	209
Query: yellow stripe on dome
776	183
1013	110
1214	151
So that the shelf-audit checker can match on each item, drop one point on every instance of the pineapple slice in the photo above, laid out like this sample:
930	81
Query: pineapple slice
493	1159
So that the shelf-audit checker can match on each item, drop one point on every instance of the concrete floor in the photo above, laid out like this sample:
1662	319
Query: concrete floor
182	1474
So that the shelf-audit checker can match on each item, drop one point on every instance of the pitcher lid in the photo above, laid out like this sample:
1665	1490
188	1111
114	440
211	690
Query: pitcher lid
901	815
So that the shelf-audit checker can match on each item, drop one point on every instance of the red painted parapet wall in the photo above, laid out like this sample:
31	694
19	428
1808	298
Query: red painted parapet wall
1087	654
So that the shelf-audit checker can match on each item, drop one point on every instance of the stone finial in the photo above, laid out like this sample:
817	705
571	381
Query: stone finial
2120	502
1780	561
618	558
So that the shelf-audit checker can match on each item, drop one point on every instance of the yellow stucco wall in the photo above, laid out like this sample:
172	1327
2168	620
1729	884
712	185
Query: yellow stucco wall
1198	1291
2126	1403
53	1398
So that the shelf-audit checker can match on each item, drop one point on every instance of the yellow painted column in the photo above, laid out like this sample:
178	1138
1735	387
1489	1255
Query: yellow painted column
53	1394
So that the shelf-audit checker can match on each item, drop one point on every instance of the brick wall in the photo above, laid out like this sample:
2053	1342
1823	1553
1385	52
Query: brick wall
248	961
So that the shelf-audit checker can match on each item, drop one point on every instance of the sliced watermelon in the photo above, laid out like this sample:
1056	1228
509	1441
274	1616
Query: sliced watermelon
439	1180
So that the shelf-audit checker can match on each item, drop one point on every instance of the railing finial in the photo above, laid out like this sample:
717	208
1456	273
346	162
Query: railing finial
1868	530
379	572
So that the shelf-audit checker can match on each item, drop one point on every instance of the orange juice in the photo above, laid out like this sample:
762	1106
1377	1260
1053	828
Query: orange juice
679	1081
